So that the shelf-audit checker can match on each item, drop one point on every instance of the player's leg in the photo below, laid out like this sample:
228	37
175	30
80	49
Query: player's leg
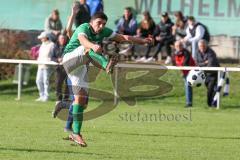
79	104
102	62
65	103
69	122
100	59
75	59
80	56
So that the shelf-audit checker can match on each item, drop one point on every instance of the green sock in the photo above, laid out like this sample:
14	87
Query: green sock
98	58
77	118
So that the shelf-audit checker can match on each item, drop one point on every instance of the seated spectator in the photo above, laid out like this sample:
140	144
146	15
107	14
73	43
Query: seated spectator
84	14
53	25
195	32
43	72
147	26
146	29
163	37
127	24
61	75
180	26
180	17
206	57
183	57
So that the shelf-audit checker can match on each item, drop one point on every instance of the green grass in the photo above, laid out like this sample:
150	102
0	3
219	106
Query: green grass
29	132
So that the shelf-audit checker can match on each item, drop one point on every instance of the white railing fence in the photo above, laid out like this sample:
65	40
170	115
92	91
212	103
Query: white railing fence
121	65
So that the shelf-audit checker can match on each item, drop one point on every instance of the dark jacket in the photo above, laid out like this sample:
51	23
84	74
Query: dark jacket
57	53
184	58
206	35
209	56
146	32
83	15
164	29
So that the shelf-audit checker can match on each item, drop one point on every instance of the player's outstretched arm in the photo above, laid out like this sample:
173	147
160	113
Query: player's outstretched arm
74	12
94	52
137	40
89	45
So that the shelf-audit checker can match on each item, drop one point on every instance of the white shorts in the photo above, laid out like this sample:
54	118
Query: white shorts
76	66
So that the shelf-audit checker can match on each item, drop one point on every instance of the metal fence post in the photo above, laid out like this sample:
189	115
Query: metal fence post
237	49
19	80
219	95
116	86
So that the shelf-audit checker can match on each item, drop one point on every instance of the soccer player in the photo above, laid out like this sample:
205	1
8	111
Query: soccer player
82	48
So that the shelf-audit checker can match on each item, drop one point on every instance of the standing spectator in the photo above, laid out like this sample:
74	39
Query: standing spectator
61	75
127	24
83	15
183	57
43	72
95	5
195	32
206	57
180	26
53	25
163	37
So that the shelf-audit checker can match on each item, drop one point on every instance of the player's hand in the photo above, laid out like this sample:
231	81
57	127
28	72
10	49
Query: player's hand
97	48
75	9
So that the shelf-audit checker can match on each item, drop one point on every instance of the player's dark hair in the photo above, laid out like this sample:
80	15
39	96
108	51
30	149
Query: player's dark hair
99	15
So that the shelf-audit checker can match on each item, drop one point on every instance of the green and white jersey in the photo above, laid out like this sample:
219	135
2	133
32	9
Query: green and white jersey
85	29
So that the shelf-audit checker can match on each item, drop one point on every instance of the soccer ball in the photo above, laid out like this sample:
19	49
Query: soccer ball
196	78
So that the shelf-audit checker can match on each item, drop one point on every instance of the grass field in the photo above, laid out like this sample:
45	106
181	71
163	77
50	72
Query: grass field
29	132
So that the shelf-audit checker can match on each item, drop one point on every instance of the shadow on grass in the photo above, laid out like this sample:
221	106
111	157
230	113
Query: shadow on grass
24	91
173	136
53	151
234	106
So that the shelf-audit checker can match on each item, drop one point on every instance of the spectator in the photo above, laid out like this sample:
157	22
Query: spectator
83	15
95	5
147	26
61	76
180	26
183	57
206	57
146	29
53	25
163	37
58	106
179	16
127	24
43	72
195	32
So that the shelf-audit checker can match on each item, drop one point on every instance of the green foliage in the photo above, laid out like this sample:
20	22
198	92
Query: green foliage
11	47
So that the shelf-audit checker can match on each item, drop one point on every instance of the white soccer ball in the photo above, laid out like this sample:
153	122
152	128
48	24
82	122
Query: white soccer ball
196	78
